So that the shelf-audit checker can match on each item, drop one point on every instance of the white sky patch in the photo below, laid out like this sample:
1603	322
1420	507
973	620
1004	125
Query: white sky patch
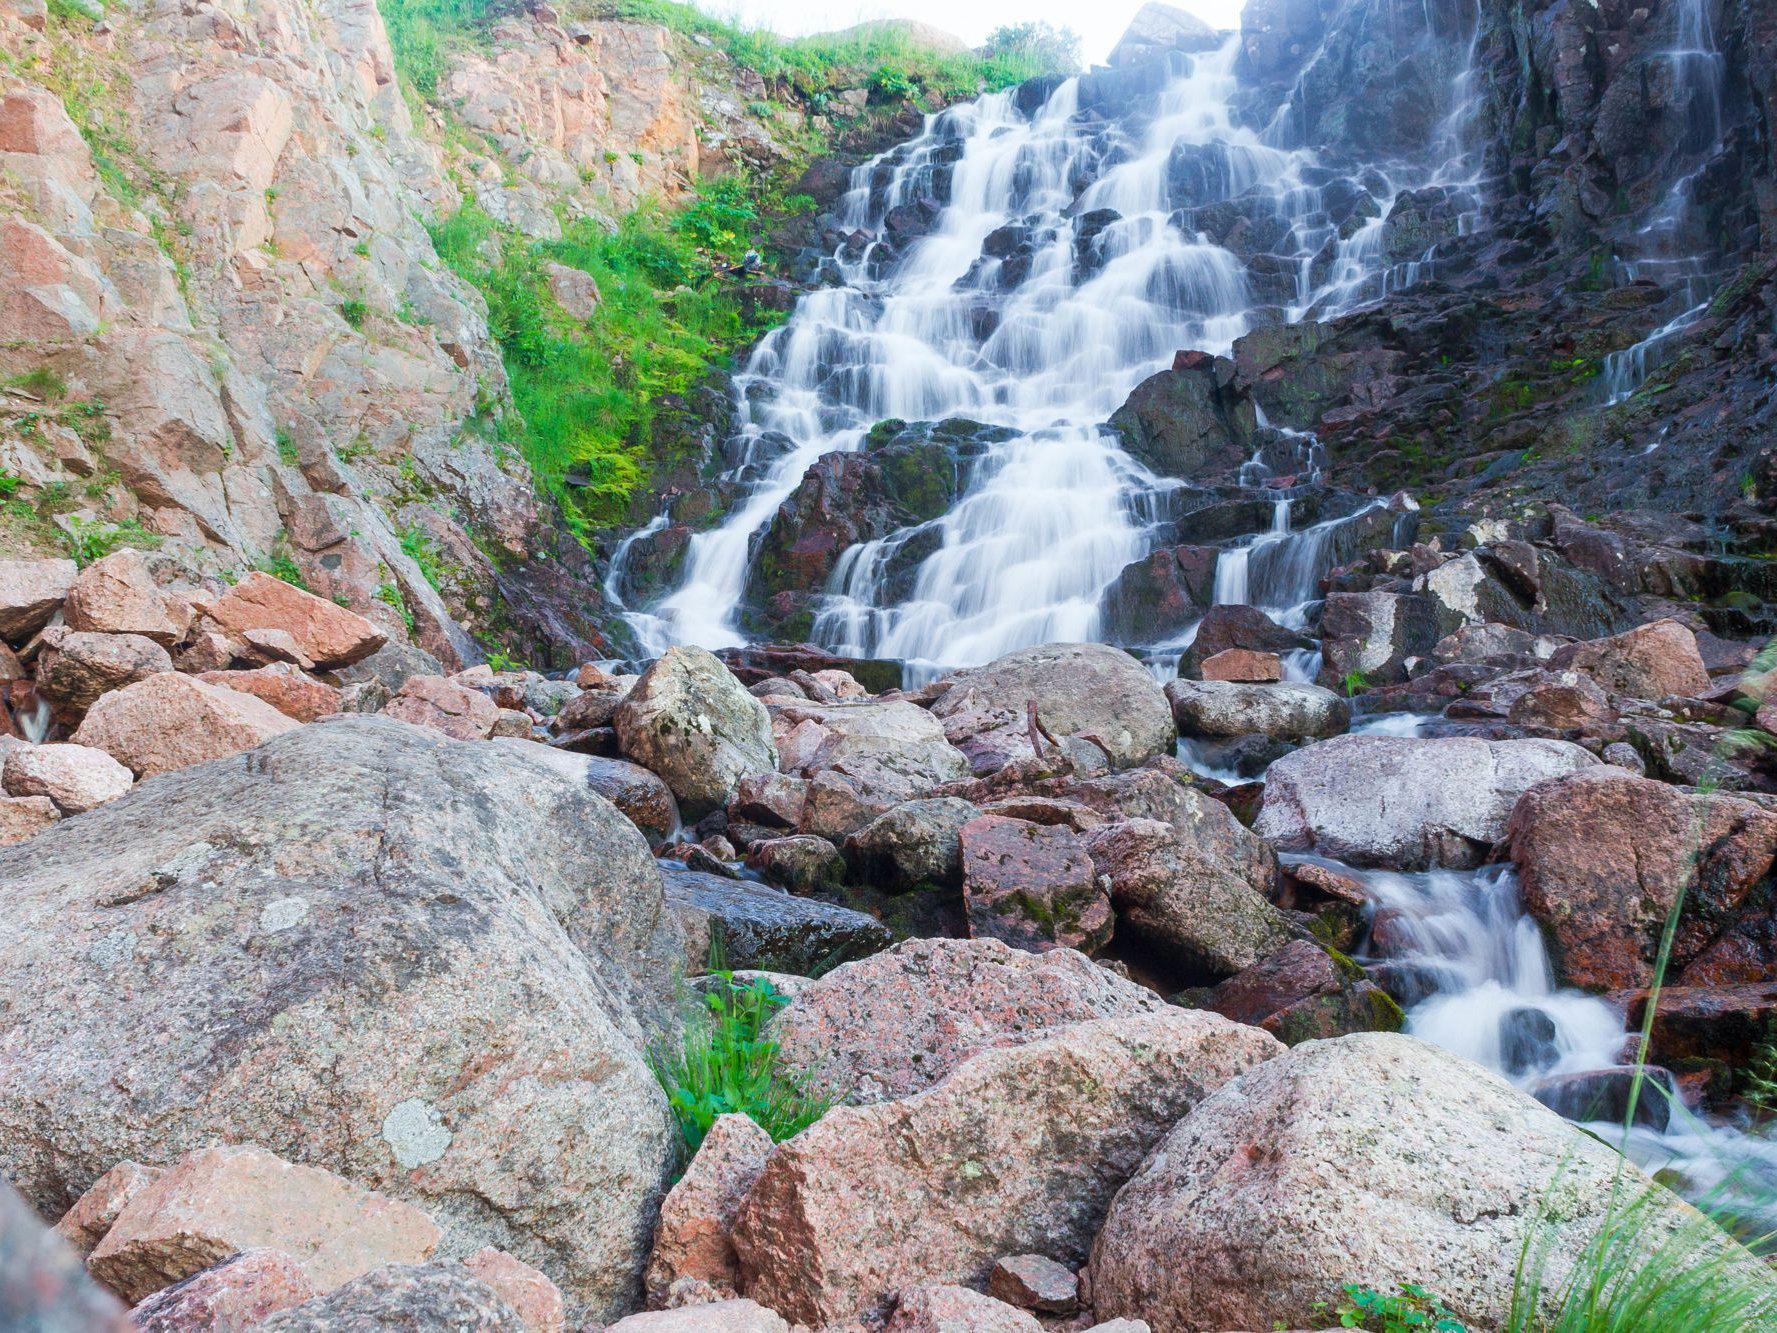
1099	25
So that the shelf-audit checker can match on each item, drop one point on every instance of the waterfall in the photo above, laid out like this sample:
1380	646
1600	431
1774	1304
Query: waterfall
1474	975
1697	67
1055	269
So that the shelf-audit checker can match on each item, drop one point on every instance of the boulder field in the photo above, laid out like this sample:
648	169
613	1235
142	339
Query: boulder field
334	987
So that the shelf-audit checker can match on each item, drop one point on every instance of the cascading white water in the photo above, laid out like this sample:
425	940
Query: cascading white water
1474	974
1048	350
1696	62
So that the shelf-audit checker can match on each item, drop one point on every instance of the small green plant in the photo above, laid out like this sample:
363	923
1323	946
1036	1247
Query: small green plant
423	551
280	564
500	662
9	485
1759	1083
40	382
1410	1307
354	312
389	595
89	540
725	1063
1355	682
891	83
286	447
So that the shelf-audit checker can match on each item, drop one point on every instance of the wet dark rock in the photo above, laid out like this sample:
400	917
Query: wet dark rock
1183	423
756	926
1606	1094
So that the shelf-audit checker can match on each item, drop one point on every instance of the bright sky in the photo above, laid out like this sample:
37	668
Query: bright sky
1099	24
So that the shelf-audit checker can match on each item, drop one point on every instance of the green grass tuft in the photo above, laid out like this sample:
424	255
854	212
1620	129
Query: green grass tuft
724	1063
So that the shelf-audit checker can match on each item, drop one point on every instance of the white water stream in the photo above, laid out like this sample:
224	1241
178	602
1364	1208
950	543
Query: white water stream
1049	349
1661	255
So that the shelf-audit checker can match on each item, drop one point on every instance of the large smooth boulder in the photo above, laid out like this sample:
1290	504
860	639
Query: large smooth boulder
170	721
75	668
1098	695
219	1201
1032	885
1403	803
1603	854
1018	1151
1371	1159
1224	708
689	720
462	955
327	634
752	925
31	591
1651	661
896	1023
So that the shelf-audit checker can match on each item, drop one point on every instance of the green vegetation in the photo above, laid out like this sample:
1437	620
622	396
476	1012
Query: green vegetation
501	662
88	540
40	382
587	392
1409	1308
280	564
287	454
1355	682
725	1063
423	551
354	312
881	57
390	595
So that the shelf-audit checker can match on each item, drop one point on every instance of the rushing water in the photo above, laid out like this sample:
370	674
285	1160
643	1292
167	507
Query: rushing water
1663	245
1109	283
1474	974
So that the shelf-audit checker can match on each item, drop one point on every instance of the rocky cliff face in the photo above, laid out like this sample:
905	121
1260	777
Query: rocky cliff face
226	320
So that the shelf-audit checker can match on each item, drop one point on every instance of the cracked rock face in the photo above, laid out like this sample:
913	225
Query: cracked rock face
433	966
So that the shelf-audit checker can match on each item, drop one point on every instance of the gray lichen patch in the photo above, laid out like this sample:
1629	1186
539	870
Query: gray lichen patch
415	1133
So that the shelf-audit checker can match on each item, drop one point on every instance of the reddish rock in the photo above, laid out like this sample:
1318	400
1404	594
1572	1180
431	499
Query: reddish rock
118	595
590	708
1562	701
1032	885
1649	662
1301	993
264	646
76	667
1197	892
75	777
234	1294
23	816
1019	1150
31	591
328	634
84	1225
1698	1025
801	864
171	721
770	798
533	1297
1602	854
942	1308
1242	665
694	1236
896	1023
217	1201
1035	1282
461	713
284	687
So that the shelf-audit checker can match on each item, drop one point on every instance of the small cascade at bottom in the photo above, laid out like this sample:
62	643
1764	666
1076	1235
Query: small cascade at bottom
1471	970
